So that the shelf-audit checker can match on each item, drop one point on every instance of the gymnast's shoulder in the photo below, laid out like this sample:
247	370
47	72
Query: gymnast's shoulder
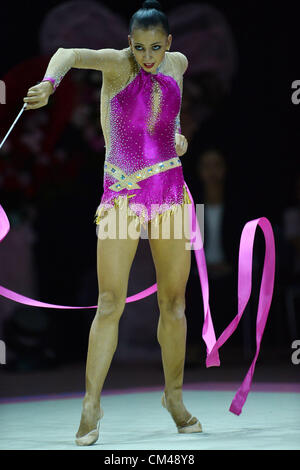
179	60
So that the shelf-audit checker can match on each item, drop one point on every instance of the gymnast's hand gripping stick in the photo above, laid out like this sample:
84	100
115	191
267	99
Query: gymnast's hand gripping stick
13	124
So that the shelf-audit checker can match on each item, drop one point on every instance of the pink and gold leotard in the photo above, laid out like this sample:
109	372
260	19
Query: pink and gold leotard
139	125
139	118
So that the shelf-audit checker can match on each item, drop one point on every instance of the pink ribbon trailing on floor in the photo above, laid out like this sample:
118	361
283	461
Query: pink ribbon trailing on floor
244	290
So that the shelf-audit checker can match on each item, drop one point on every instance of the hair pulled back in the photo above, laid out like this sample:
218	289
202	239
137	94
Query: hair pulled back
150	14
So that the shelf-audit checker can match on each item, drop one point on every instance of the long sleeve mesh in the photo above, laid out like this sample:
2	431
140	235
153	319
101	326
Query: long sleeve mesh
60	63
177	123
104	60
174	69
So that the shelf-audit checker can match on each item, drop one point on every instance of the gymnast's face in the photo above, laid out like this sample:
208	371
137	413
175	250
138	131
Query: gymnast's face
149	46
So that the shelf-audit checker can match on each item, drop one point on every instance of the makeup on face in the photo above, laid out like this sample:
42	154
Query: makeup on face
149	47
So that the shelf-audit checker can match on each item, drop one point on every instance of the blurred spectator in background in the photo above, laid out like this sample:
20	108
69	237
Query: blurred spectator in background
291	267
225	213
291	230
48	160
211	172
18	270
54	162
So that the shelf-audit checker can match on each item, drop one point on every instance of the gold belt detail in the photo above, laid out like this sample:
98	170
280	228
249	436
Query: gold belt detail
130	181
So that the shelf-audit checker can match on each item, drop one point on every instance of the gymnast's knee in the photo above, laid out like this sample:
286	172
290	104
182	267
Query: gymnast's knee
110	305
171	307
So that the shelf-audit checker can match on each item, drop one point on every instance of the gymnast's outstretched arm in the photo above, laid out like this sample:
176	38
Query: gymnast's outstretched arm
105	60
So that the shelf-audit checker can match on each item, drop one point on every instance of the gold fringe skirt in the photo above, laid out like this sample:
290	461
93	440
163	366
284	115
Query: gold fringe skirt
122	203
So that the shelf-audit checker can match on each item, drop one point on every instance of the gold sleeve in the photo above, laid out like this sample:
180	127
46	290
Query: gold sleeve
178	123
182	59
105	60
60	63
101	59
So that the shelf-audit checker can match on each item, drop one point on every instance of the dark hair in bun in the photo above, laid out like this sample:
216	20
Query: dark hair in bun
148	4
150	14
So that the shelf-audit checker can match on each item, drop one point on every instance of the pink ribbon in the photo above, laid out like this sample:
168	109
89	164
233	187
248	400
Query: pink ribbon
244	290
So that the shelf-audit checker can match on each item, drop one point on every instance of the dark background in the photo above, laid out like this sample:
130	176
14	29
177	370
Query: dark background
256	126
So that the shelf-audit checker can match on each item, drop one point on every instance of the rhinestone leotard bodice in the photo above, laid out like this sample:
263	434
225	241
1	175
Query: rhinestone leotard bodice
141	161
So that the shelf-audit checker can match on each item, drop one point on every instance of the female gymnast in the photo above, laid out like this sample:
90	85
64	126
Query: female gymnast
140	108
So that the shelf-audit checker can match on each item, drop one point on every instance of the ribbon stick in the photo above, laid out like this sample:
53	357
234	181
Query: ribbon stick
13	124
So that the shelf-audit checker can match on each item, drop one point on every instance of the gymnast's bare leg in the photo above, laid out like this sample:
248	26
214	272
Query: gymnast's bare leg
114	260
172	263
